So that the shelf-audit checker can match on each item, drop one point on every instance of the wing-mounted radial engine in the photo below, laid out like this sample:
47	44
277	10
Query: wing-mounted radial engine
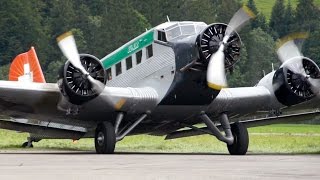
298	79
83	76
210	40
75	85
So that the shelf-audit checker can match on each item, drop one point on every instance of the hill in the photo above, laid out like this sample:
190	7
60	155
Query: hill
265	6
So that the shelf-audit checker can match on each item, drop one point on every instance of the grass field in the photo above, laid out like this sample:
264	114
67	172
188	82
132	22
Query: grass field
265	6
283	139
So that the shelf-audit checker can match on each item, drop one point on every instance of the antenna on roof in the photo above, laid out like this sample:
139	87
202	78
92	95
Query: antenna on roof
146	29
168	18
264	73
272	66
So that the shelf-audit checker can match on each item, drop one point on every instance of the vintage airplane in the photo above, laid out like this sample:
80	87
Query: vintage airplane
162	82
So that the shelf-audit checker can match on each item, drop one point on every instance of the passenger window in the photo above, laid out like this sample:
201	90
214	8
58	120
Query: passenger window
139	57
149	51
118	69
109	74
129	63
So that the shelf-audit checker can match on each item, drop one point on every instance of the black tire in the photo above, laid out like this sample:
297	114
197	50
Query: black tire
105	138
26	145
241	139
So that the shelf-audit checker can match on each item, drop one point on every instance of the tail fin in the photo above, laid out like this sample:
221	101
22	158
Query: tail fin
26	67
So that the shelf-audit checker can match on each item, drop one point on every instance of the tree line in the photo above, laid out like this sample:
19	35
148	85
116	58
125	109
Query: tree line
101	26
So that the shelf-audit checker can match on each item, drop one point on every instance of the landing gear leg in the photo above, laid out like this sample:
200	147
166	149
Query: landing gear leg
236	137
28	143
105	138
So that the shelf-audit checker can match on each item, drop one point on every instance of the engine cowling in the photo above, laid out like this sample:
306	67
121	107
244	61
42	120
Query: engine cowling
291	87
75	85
210	40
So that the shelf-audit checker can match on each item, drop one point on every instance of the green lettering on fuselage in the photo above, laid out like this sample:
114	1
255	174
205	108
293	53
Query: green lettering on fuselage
128	49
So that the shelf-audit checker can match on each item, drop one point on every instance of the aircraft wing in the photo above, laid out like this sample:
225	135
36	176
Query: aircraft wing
247	100
29	97
24	96
242	100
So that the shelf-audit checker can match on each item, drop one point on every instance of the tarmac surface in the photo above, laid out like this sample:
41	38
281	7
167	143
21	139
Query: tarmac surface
87	165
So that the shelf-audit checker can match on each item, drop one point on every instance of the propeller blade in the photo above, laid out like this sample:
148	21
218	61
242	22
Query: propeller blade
288	51
69	49
238	20
287	48
315	85
216	75
97	86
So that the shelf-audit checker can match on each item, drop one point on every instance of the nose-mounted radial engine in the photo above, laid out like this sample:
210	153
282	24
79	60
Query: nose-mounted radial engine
219	47
210	40
298	79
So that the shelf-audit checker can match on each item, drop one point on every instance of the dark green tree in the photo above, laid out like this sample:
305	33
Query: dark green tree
289	19
260	19
307	16
119	24
21	28
277	19
311	47
260	49
226	9
252	5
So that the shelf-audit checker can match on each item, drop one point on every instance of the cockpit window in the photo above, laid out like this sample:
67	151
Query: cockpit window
188	30
172	30
162	36
173	33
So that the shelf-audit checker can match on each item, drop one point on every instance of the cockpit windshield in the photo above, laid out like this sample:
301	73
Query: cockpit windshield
174	30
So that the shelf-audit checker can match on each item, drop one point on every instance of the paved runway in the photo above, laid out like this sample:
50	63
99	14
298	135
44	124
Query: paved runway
75	165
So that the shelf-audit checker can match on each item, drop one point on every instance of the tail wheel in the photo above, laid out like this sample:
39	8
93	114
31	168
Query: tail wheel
105	138
241	139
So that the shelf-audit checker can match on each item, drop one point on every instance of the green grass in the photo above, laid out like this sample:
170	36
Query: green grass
265	6
283	139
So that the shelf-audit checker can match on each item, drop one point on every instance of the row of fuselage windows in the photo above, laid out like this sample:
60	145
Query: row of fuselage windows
128	62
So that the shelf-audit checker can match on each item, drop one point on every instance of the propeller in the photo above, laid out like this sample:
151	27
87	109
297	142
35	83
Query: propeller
305	71
216	75
69	49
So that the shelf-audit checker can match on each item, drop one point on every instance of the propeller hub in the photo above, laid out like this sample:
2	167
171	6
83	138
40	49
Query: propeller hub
307	77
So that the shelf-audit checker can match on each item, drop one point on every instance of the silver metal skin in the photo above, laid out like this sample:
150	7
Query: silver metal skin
142	90
241	100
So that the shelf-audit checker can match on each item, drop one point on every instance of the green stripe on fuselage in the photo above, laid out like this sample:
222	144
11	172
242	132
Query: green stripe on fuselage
128	49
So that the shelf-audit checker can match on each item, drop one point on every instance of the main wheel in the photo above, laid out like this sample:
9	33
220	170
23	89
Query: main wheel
241	139
27	145
105	138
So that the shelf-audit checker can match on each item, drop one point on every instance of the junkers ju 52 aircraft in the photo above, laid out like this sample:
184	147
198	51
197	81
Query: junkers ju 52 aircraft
162	82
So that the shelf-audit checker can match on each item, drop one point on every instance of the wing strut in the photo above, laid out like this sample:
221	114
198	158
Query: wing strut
119	135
